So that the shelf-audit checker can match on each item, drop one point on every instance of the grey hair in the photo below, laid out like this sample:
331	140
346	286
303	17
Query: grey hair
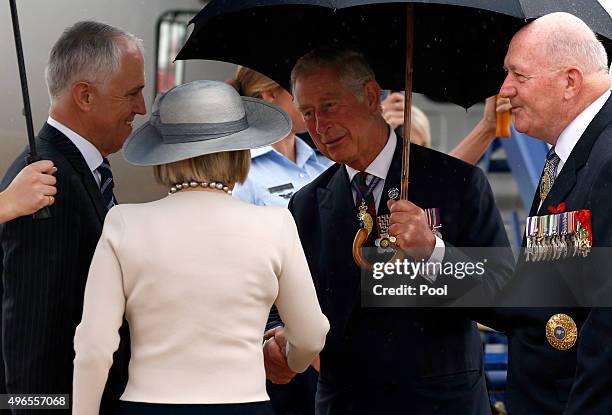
353	69
585	51
88	51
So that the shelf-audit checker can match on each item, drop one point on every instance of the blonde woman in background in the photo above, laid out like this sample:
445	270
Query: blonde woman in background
195	273
283	168
420	130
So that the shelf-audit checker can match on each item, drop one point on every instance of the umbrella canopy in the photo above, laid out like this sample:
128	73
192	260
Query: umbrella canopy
459	45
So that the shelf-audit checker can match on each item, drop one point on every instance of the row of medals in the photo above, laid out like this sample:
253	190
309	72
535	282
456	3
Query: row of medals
549	238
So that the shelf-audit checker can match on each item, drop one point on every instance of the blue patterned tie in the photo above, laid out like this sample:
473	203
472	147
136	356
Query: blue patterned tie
365	191
365	196
550	173
106	183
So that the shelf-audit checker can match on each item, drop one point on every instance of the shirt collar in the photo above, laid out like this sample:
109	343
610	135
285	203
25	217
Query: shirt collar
256	152
303	152
381	164
572	133
90	153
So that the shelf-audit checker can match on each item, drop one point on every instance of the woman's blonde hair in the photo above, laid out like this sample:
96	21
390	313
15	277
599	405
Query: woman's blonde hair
420	123
228	167
250	83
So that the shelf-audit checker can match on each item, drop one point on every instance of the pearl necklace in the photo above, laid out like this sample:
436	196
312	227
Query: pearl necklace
193	184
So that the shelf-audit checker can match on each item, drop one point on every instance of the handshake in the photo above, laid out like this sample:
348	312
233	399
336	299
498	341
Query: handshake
275	357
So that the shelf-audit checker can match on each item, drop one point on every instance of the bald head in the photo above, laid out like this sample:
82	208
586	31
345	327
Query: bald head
564	40
556	68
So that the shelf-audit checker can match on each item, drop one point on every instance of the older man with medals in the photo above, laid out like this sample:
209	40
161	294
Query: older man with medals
559	88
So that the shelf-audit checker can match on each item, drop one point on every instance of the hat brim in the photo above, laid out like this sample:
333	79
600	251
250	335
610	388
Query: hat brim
267	125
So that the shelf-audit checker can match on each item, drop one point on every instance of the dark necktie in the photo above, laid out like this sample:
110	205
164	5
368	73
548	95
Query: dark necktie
549	174
365	196
106	183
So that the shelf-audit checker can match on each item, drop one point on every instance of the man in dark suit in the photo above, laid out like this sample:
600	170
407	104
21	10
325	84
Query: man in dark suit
387	360
95	77
559	89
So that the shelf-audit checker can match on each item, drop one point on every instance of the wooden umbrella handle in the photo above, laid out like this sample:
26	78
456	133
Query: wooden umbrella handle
360	238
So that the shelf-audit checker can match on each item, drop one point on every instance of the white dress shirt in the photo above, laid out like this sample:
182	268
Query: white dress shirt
571	134
90	153
379	168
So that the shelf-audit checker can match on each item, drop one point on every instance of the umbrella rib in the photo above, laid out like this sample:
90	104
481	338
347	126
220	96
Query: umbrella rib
520	2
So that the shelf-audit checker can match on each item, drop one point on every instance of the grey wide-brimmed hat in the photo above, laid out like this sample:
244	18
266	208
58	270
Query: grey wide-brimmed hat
204	117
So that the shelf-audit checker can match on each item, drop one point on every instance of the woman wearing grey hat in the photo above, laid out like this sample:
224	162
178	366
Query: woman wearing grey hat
195	273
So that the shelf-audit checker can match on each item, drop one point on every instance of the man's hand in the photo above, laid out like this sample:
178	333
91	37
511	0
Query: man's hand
489	115
393	109
408	223
275	360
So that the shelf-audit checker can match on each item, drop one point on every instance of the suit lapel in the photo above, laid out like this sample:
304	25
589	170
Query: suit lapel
338	212
75	158
338	221
577	159
393	178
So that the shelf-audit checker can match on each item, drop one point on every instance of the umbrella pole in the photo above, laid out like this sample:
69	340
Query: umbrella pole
408	100
362	234
24	82
44	213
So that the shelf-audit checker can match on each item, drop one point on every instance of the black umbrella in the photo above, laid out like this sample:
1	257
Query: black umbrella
458	45
44	212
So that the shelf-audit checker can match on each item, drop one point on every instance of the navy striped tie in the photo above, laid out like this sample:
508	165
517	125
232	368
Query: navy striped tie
106	183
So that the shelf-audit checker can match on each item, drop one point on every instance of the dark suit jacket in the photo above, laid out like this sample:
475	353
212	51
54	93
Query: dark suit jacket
393	360
46	263
540	377
590	392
